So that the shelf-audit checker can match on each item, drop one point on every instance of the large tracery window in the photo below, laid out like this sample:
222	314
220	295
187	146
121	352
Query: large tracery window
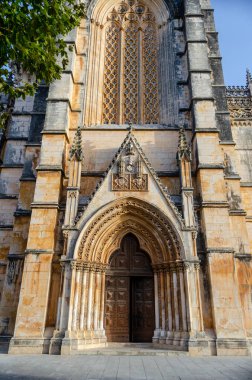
130	87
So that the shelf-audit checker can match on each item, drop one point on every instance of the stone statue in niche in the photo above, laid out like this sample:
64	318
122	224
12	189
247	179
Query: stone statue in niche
13	271
130	176
234	200
228	166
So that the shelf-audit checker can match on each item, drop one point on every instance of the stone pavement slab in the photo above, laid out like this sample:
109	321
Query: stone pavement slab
43	367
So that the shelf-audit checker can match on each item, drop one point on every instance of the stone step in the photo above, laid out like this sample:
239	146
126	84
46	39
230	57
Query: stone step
107	352
132	349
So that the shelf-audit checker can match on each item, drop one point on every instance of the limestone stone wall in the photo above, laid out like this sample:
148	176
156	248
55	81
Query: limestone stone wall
20	151
35	171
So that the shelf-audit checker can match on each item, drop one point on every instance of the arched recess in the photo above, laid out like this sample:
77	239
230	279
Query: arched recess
100	238
103	232
130	74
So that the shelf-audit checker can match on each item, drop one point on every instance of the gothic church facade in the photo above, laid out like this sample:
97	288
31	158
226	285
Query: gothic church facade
126	191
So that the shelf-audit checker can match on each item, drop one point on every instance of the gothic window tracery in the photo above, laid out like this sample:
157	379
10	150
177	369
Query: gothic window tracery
130	88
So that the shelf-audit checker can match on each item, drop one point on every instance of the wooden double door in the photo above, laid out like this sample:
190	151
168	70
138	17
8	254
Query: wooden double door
129	295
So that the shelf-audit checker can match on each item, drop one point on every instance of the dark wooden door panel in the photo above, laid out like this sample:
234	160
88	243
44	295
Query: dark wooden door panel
117	309
129	298
143	309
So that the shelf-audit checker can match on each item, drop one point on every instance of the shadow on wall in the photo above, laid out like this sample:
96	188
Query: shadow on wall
159	147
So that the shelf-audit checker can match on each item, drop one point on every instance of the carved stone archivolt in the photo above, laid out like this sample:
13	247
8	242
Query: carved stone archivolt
100	237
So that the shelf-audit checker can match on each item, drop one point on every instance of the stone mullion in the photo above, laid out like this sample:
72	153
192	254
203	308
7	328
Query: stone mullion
92	68
121	77
140	77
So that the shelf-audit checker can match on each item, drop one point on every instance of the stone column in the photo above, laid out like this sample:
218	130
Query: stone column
102	303
157	315
169	339
193	296
176	340
83	309
76	300
162	307
90	300
97	303
72	294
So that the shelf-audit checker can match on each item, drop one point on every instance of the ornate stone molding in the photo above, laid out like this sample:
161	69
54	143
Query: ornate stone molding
130	138
146	215
75	152
88	266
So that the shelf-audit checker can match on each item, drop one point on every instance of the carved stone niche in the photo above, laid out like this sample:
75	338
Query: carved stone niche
129	175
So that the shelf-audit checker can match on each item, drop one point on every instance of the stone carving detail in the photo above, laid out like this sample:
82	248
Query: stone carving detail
75	152
111	75
237	91
234	200
151	106
228	166
130	92
131	75
134	146
239	102
14	267
118	211
129	176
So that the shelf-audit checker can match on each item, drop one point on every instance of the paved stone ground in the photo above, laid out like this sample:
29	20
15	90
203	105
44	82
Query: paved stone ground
124	367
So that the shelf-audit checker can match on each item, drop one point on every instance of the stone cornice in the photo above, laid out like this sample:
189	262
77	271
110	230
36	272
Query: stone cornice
15	256
239	212
215	204
38	251
45	205
49	168
220	250
210	166
243	256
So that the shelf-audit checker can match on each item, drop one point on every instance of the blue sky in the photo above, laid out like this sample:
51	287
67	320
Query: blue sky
233	19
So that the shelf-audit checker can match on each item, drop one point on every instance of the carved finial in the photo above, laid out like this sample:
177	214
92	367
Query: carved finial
248	77
184	150
76	148
131	128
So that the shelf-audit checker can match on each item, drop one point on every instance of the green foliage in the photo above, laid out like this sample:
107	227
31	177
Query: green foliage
32	41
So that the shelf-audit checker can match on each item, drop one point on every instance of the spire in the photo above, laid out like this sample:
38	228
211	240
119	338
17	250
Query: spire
248	78
76	148
184	150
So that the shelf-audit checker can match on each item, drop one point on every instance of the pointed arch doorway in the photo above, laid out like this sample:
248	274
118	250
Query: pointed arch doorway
129	295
